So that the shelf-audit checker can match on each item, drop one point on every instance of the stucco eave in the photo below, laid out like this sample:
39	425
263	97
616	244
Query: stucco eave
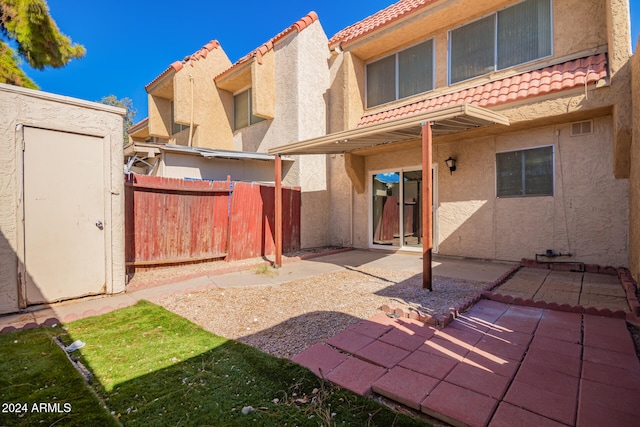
63	99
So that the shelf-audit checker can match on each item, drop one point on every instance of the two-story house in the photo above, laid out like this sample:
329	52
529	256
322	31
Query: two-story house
530	103
209	118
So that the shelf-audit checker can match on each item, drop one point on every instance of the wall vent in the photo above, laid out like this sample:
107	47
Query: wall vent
582	128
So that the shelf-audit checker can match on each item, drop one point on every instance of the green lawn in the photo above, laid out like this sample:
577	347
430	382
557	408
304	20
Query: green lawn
152	367
39	386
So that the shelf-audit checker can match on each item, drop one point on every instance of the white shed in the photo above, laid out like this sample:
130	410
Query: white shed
61	198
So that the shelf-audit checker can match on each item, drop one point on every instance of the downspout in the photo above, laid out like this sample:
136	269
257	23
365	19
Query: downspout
191	120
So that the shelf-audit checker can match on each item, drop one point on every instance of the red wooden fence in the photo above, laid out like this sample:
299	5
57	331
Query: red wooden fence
252	227
170	221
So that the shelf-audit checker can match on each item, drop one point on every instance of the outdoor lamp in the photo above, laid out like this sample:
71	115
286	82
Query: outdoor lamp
451	164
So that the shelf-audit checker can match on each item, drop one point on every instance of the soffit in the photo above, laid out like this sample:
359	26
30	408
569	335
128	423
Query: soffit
444	121
211	153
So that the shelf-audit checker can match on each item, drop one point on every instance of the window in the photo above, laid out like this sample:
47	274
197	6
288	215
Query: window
525	172
405	73
243	111
512	36
176	127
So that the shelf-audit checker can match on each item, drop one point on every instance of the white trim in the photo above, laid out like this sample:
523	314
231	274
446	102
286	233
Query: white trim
369	192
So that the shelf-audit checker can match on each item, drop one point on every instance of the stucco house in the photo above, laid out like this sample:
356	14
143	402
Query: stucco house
275	94
532	99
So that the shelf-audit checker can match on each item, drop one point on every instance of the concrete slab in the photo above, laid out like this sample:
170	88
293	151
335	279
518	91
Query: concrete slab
432	365
458	405
350	341
404	340
509	415
561	408
478	380
405	386
320	358
382	354
356	375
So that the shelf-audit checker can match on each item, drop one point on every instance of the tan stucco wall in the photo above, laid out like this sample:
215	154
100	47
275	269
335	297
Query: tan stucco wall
212	129
301	92
49	111
188	166
159	116
263	96
580	28
634	178
588	216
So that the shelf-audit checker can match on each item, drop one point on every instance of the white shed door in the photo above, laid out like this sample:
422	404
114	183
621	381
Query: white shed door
64	212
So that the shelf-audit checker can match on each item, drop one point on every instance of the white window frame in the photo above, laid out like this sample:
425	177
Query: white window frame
495	43
553	172
436	224
397	74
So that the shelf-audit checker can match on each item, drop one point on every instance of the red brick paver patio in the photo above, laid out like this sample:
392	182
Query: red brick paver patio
496	365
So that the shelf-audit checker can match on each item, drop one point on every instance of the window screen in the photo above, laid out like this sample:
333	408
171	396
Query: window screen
525	172
524	33
381	81
403	74
515	35
243	111
473	49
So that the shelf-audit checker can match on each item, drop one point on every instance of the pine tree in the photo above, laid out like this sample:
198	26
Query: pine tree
38	40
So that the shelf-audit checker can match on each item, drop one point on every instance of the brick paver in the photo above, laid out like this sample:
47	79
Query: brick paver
356	375
405	386
497	364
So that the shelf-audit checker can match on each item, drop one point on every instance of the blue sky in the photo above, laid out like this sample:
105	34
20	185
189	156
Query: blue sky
131	42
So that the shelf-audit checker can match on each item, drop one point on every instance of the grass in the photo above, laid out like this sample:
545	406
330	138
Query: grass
266	270
152	367
35	371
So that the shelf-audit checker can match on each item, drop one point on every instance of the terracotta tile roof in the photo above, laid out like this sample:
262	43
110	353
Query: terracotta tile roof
259	52
379	19
555	78
178	65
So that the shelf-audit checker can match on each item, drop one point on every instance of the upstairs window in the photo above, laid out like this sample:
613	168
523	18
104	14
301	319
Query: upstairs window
525	172
403	74
176	127
243	111
515	35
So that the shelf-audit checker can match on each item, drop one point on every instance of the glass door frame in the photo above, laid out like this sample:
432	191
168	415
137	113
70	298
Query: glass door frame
401	171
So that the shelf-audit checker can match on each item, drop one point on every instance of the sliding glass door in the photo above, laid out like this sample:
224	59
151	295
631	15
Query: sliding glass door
396	209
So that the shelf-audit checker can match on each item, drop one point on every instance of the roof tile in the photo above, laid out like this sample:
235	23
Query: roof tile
533	83
178	65
260	51
379	19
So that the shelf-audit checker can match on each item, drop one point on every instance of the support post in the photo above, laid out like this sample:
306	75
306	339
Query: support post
427	205
278	211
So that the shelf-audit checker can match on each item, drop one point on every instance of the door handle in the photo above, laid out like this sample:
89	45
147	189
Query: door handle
99	225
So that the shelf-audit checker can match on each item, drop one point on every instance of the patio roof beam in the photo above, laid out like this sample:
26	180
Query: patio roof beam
445	120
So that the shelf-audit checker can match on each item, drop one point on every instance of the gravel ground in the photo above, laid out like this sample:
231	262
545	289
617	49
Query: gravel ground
285	319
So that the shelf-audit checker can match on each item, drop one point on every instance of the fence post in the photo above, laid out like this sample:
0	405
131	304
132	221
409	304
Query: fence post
278	211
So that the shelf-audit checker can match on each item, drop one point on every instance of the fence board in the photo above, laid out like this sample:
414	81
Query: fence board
173	220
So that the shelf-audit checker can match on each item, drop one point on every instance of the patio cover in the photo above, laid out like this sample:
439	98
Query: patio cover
444	120
441	121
